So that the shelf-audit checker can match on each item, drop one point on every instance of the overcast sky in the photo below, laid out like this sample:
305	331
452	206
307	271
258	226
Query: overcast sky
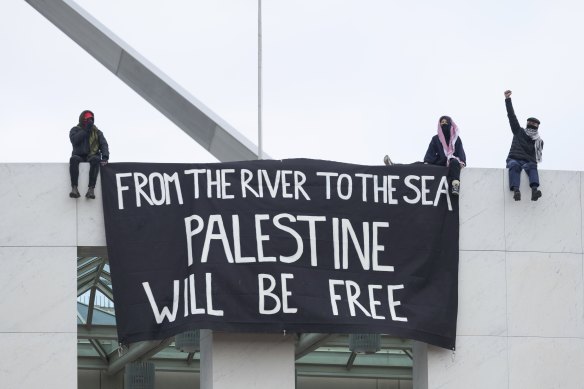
344	80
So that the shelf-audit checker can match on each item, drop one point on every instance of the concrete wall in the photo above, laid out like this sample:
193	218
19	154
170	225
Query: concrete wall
39	236
521	297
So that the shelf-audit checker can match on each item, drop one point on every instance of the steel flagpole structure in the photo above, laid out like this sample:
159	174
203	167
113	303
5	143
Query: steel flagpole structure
260	151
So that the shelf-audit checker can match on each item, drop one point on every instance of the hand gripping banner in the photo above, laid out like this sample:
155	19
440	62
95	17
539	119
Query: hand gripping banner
295	245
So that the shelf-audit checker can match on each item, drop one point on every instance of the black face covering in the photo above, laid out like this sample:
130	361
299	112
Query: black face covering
88	123
446	131
531	126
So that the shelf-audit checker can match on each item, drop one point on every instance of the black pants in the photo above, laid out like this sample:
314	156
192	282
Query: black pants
454	170
93	168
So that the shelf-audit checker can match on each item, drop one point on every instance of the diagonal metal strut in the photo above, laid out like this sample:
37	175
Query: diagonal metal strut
193	117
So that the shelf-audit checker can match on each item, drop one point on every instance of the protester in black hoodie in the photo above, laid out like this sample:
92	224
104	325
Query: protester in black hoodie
525	153
89	145
446	149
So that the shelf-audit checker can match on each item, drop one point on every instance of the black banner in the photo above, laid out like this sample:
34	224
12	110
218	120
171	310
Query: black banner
268	246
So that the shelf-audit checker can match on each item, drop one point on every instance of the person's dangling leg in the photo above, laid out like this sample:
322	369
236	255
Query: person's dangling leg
74	162
531	170
514	167
454	176
93	173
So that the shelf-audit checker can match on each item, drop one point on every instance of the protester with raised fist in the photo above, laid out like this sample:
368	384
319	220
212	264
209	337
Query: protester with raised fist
525	153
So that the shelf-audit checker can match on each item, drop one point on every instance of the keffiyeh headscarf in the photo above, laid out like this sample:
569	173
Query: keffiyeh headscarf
449	146
533	133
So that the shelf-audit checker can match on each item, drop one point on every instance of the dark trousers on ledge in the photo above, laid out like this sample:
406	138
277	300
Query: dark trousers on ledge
515	166
93	168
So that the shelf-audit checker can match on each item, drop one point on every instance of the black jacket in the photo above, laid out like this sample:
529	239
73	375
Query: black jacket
80	141
435	153
522	146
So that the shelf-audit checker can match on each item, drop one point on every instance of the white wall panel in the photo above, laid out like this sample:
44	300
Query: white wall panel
551	224
261	361
30	360
38	286
479	362
36	208
482	307
482	213
544	363
545	294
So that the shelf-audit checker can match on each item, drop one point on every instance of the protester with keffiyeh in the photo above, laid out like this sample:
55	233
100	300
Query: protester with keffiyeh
446	149
89	145
525	153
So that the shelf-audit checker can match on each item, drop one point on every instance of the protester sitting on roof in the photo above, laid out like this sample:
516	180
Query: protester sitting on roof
89	145
525	153
446	149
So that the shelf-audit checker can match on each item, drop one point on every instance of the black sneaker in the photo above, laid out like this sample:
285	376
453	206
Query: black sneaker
90	193
74	192
535	194
516	195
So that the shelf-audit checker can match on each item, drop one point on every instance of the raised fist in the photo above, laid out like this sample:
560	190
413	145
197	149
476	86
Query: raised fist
507	93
